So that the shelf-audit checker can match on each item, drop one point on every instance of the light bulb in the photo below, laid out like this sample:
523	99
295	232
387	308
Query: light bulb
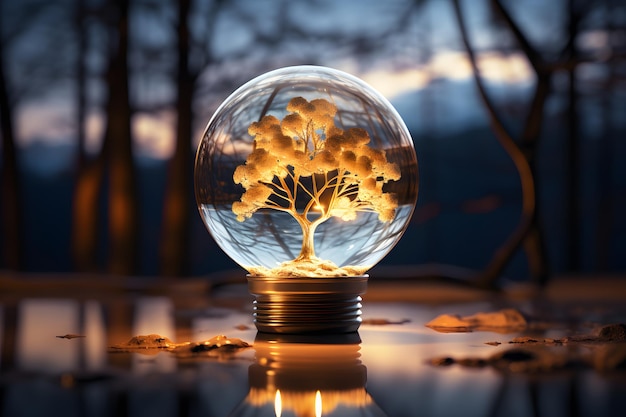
305	175
301	376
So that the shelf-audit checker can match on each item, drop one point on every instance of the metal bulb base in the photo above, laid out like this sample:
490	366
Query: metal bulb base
302	305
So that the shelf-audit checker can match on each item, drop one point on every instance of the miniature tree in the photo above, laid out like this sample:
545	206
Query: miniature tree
306	166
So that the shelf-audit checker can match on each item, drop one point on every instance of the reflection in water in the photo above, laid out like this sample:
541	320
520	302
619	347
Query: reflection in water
41	374
38	348
41	321
95	336
154	315
307	377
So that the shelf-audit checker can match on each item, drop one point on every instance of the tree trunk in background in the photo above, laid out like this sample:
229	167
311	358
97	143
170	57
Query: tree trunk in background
88	187
11	226
522	154
123	202
174	244
534	245
606	150
572	170
81	79
86	215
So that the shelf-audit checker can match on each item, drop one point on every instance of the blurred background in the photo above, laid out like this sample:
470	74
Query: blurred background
516	108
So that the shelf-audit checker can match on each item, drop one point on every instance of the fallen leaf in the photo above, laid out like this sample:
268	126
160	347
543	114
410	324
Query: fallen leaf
503	321
218	346
142	342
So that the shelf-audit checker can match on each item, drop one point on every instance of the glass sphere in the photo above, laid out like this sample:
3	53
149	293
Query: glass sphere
306	171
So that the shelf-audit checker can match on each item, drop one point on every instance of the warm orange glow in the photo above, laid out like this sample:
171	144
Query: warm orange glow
318	404
278	404
305	163
308	403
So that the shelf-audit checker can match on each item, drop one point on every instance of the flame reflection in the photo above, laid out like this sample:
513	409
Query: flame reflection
308	379
278	405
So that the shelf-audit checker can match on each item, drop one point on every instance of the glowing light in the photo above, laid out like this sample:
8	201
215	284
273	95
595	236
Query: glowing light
306	144
278	404
318	404
330	162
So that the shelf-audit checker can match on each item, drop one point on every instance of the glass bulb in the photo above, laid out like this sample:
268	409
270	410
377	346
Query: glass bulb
306	177
306	171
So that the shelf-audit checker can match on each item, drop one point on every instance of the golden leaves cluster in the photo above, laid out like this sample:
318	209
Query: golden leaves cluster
306	142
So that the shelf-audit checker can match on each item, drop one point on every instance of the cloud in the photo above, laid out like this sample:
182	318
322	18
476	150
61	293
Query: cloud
154	134
392	84
451	65
50	119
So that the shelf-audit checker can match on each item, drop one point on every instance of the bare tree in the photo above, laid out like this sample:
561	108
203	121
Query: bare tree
178	199
614	23
574	15
114	164
90	172
528	230
12	93
11	226
176	205
122	191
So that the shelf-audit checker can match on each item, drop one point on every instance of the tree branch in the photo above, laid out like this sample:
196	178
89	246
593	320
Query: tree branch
504	254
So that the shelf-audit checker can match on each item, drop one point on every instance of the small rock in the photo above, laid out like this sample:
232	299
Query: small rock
502	321
613	333
524	339
443	361
516	355
151	341
472	362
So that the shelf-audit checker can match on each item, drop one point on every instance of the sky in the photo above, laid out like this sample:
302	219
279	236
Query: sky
48	119
425	65
46	122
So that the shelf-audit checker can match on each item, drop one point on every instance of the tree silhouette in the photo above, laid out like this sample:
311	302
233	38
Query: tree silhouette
90	172
122	187
11	223
174	245
309	168
13	92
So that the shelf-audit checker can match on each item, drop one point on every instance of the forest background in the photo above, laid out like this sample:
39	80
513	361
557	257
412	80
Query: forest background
515	107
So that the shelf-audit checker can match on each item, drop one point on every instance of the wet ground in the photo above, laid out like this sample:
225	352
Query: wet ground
152	350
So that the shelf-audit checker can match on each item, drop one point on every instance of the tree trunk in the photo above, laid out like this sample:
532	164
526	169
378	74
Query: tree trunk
176	210
86	215
308	237
11	226
89	177
572	211
81	80
123	210
308	243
